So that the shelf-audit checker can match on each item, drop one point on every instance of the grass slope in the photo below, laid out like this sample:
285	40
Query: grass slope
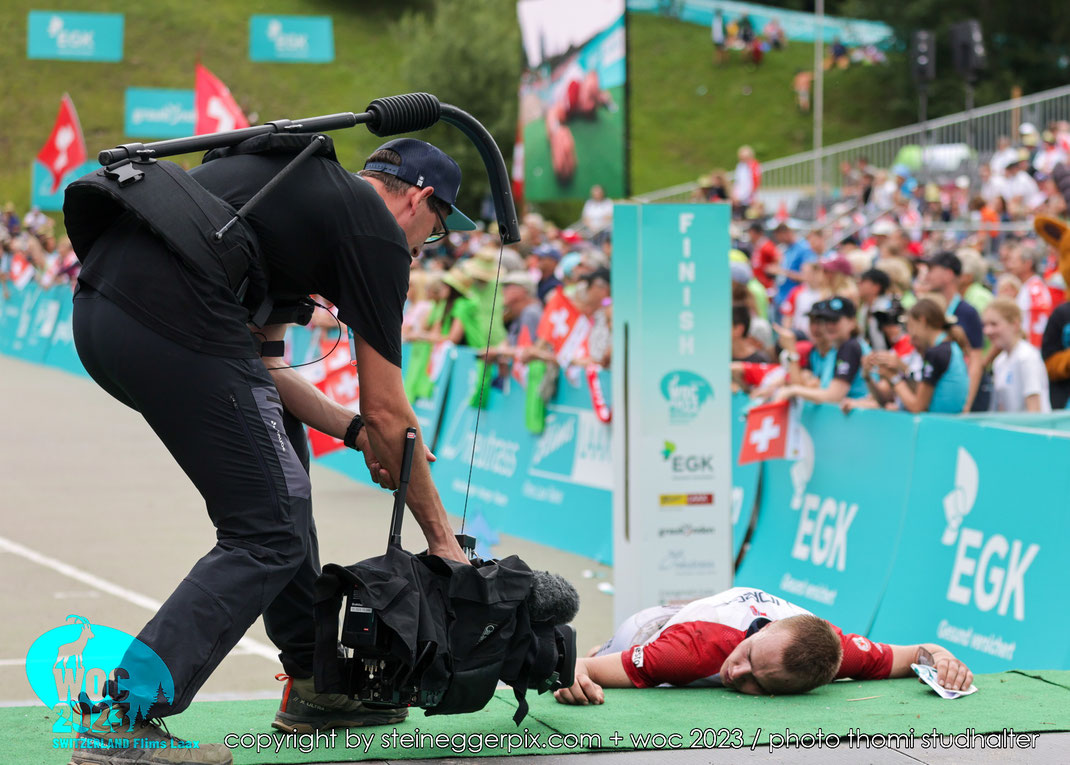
689	115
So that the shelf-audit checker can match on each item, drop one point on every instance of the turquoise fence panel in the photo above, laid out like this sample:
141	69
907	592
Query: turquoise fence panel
41	192
75	36
308	39
554	488
18	318
829	521
980	570
61	351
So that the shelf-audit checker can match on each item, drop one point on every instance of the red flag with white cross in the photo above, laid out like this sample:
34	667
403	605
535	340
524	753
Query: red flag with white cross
215	107
564	326
772	433
65	148
341	385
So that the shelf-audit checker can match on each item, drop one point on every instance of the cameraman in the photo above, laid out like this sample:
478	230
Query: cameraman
171	342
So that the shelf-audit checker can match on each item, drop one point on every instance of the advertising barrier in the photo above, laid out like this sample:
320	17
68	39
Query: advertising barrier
981	566
75	36
306	39
41	193
829	522
745	478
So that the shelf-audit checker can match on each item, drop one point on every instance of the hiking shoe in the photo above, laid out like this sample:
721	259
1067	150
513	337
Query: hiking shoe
304	711
149	743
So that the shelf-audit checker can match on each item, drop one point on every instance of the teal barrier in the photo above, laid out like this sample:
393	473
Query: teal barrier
745	478
829	521
982	567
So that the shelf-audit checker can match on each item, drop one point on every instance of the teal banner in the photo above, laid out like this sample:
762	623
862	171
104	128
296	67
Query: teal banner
982	567
75	36
308	39
829	522
552	488
745	478
159	113
41	184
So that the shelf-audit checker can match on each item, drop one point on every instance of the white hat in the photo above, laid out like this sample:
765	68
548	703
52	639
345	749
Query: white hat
1027	128
883	227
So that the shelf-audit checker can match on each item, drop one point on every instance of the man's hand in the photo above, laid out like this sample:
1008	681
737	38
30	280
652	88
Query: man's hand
950	672
786	338
378	474
563	153
582	692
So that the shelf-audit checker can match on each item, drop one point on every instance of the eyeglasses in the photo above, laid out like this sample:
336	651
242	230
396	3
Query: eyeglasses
437	233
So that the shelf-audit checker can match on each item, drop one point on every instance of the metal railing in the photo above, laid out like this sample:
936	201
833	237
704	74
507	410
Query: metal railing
945	147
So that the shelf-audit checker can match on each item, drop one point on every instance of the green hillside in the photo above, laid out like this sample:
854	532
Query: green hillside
687	116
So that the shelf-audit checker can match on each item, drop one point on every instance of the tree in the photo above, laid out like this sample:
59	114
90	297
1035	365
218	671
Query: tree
467	53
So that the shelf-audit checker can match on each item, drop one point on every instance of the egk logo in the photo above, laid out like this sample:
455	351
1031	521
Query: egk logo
89	669
820	538
994	585
687	465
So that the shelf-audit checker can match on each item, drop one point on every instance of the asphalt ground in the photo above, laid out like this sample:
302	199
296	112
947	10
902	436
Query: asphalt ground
99	521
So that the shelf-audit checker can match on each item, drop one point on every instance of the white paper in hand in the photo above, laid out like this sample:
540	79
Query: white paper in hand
928	676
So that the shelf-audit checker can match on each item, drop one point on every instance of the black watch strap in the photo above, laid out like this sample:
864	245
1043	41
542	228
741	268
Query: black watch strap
350	438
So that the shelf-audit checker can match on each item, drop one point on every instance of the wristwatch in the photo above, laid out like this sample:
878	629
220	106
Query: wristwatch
787	357
350	438
895	379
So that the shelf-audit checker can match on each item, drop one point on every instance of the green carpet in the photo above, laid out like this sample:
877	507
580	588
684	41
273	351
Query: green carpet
1018	701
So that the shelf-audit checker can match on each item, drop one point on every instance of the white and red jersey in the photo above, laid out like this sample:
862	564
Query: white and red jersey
687	645
1034	300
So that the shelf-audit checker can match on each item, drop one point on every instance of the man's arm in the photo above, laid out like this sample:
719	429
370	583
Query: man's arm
951	673
592	675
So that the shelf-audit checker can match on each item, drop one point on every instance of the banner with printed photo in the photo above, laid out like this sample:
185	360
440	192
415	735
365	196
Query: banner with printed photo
74	36
573	114
159	113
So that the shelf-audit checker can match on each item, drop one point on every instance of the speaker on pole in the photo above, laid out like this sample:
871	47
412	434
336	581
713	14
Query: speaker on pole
968	49
923	56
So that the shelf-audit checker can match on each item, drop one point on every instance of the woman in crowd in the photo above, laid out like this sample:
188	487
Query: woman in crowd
842	376
1019	379
944	381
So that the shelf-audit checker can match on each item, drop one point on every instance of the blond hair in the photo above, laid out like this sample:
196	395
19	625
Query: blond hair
1007	309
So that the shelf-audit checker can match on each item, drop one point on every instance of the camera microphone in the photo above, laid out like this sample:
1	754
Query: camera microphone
552	599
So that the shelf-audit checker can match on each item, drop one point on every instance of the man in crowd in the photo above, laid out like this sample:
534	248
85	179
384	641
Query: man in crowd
796	252
763	254
173	343
547	257
1024	259
597	215
873	287
747	640
942	277
745	180
522	308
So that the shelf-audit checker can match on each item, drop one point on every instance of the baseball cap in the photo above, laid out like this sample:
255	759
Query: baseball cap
547	251
832	309
948	260
598	273
425	165
838	263
887	311
883	227
520	279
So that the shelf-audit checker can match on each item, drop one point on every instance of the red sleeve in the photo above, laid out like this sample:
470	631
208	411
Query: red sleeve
681	654
862	658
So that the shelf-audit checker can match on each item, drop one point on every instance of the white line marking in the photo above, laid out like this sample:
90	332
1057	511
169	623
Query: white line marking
12	662
6	545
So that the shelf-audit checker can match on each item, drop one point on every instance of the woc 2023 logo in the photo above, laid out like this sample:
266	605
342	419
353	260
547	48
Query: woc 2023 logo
686	392
89	669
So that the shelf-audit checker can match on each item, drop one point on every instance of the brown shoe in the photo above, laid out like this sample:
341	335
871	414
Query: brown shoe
149	743
303	710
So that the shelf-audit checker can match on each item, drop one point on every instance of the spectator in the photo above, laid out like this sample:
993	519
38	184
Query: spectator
743	348
797	251
1019	379
763	254
944	383
803	298
944	270
418	304
1049	155
485	293
972	281
1022	259
838	278
11	219
548	257
522	308
34	221
597	215
801	84
596	304
845	376
740	271
1004	155
873	286
774	33
745	181
837	55
717	33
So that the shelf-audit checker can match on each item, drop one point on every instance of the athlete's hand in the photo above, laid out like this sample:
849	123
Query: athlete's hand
950	672
582	692
563	153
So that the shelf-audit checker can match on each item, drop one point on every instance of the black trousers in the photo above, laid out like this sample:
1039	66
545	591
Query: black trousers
223	422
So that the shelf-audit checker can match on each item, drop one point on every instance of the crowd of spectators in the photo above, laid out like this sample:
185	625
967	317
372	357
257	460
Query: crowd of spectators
30	251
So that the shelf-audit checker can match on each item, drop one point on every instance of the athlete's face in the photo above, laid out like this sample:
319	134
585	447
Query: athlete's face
756	666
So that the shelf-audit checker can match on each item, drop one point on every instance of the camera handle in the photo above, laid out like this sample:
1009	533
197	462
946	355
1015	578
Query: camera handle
403	489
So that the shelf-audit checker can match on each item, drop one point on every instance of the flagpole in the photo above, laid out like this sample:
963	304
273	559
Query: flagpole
819	103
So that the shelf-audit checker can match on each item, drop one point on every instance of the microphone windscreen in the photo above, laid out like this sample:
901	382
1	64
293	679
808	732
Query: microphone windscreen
552	599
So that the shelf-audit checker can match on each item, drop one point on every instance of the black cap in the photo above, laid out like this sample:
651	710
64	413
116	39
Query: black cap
948	260
832	309
598	273
887	311
425	165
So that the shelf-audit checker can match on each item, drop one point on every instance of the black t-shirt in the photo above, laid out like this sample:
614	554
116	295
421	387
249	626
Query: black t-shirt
1057	338
848	360
935	362
321	231
967	317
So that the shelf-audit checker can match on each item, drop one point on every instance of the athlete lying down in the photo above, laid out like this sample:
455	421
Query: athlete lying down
747	640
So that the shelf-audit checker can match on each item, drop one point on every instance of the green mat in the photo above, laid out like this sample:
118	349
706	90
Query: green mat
630	719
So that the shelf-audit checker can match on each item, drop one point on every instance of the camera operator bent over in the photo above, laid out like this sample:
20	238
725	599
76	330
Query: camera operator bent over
171	341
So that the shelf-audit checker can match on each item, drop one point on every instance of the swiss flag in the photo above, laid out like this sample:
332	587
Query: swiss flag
772	433
341	385
65	148
216	109
564	326
21	271
518	167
